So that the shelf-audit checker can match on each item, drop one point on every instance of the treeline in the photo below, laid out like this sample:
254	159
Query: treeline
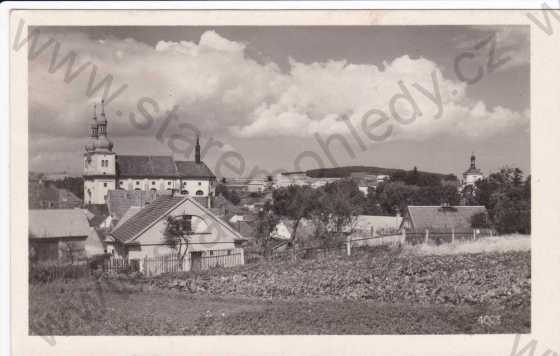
507	197
72	184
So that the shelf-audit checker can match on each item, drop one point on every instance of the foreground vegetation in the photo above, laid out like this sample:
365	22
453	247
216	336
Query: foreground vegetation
376	292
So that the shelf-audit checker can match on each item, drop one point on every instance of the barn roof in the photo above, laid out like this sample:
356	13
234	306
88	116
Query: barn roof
191	169
146	166
438	218
53	223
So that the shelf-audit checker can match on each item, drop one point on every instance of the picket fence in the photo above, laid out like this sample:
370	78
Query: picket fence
152	266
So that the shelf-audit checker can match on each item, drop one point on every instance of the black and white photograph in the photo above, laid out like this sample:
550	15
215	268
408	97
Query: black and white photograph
222	175
279	180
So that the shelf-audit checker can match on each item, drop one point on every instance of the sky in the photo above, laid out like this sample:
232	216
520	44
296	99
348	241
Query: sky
268	99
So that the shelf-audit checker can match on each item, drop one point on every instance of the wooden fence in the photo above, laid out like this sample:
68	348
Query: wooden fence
202	260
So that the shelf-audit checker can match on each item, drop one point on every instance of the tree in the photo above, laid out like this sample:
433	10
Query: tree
341	203
508	200
266	223
178	230
230	195
296	203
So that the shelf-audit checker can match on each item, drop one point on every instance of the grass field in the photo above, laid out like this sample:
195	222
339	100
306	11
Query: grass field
174	313
444	294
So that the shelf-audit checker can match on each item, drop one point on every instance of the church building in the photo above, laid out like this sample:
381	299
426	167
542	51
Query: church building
104	170
473	174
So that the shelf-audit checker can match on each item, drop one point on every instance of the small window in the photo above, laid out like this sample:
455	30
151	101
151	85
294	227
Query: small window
199	183
199	192
168	183
184	183
105	184
211	253
229	252
185	192
154	182
121	182
137	183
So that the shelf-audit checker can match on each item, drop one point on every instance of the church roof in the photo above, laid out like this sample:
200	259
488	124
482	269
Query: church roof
146	166
160	167
191	169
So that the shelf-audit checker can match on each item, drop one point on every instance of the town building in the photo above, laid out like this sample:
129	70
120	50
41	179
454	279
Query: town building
142	232
63	235
104	170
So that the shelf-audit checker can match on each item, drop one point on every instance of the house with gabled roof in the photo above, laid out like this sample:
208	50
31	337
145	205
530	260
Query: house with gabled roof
440	218
142	233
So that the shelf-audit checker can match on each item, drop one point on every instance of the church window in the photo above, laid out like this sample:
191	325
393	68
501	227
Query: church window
199	192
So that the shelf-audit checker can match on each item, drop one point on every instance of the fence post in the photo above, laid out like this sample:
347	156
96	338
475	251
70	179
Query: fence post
452	235
348	246
427	236
403	236
474	234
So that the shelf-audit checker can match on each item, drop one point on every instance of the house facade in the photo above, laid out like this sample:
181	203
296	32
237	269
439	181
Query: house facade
104	170
144	233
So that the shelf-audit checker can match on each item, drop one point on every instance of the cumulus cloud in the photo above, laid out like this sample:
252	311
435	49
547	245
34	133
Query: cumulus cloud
218	88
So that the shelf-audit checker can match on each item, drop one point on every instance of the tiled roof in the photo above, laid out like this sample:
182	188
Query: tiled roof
437	218
52	223
133	210
120	200
146	166
191	169
146	217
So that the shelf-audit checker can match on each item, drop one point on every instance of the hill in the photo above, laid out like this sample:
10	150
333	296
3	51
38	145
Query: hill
339	172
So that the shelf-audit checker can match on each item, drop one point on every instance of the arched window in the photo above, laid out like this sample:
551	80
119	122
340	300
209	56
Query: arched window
199	192
185	192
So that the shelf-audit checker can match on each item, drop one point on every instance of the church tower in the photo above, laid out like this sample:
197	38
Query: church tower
99	161
473	174
197	151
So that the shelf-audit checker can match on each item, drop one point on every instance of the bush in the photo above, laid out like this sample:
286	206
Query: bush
48	272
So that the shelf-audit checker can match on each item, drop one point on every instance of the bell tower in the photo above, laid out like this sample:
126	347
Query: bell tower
99	160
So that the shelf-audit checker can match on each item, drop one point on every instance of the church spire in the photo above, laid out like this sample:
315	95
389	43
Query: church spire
197	150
